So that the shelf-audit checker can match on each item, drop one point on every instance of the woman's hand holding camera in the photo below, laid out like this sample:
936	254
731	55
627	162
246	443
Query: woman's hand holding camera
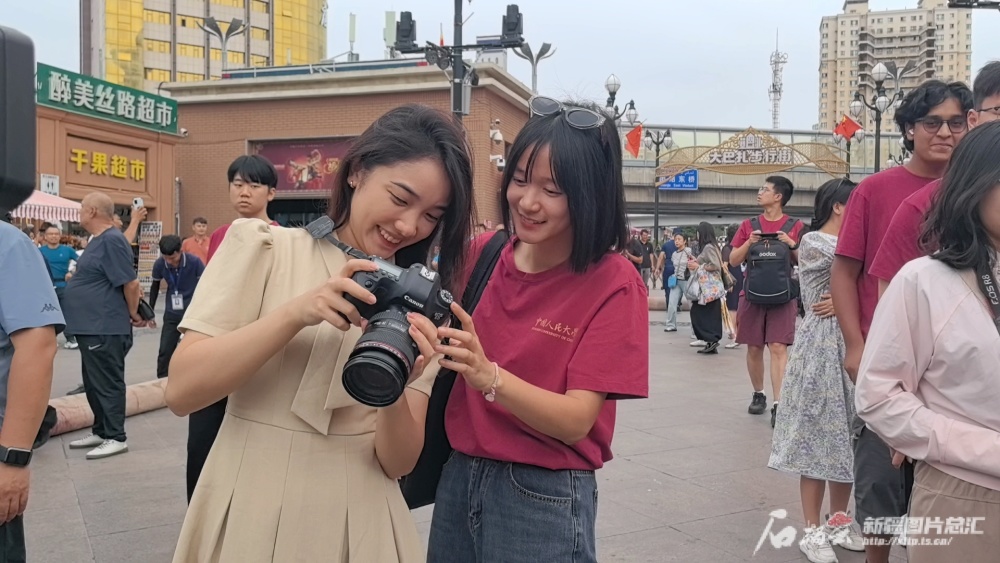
425	335
466	352
327	302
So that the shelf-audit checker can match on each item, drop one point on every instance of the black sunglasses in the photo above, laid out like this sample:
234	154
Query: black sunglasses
578	118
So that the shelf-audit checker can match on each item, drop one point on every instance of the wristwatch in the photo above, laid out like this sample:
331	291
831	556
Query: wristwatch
15	457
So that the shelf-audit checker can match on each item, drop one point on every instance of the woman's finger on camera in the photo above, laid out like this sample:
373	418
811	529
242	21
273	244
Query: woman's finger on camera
342	307
357	265
463	317
422	339
351	287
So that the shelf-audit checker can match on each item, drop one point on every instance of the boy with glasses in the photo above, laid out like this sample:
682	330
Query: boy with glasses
932	119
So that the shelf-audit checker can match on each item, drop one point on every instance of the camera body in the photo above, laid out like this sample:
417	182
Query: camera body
416	289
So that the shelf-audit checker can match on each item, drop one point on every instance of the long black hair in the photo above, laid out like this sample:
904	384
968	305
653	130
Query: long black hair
587	166
405	134
954	226
706	236
829	194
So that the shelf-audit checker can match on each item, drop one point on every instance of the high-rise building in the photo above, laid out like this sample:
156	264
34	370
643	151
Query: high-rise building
143	43
936	38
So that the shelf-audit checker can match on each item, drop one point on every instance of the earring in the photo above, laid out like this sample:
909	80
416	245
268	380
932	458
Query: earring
911	131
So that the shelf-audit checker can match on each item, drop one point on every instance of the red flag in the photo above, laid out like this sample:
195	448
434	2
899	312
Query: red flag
847	128
634	141
442	35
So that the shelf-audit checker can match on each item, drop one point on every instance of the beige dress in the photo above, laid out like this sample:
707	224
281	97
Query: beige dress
293	474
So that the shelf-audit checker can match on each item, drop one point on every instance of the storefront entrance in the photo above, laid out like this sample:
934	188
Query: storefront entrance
296	212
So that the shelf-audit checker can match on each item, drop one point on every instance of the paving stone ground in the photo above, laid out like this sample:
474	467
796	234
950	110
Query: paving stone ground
689	482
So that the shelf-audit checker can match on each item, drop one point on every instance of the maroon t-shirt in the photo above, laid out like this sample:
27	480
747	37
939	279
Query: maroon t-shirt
557	330
217	237
869	211
902	240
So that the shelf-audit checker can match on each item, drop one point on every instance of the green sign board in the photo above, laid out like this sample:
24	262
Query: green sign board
86	95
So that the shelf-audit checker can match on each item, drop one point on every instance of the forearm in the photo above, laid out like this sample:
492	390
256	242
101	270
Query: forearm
205	369
843	288
399	433
29	387
739	255
566	418
132	231
133	293
154	293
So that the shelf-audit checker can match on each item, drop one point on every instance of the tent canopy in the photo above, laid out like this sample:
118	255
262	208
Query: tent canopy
46	207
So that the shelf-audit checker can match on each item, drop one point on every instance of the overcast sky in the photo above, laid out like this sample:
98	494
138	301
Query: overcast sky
684	63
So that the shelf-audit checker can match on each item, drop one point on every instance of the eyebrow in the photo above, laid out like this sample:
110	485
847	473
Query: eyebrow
413	193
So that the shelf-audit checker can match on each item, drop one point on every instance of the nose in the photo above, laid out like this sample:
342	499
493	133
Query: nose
406	226
529	200
945	131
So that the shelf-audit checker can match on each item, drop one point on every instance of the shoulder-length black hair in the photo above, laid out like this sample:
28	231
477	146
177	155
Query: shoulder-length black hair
706	236
954	226
405	134
829	194
587	167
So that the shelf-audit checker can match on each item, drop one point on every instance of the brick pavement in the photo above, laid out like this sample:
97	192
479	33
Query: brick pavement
689	483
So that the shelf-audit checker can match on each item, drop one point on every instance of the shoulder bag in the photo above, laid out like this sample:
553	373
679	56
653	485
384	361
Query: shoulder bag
420	486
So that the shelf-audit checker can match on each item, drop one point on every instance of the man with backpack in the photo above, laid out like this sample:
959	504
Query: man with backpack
768	303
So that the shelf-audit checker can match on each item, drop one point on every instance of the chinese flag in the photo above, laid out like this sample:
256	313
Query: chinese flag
847	128
634	141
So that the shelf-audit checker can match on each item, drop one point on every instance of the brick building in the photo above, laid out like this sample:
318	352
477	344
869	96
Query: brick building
304	123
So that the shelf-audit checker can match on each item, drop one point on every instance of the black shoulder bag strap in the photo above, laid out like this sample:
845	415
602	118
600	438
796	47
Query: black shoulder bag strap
988	285
420	486
755	224
789	225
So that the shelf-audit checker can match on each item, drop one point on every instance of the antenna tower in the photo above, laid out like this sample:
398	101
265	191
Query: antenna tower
778	60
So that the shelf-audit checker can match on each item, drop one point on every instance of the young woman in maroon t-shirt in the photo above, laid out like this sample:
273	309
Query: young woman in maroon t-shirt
560	333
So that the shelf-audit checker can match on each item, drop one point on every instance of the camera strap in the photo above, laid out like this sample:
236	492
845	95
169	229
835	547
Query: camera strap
988	286
323	228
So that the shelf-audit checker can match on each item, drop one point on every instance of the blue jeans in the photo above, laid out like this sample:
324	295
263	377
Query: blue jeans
492	511
674	301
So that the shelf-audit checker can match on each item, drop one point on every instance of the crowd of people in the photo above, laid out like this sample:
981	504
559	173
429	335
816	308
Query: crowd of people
887	384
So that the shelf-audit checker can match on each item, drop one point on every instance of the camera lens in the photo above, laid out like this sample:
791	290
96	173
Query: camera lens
377	370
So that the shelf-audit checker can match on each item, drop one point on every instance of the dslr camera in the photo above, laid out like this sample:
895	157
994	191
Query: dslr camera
380	363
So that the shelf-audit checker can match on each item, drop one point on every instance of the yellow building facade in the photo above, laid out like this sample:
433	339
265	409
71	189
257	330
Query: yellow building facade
145	43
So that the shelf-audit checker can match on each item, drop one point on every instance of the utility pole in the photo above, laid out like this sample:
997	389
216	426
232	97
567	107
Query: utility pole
458	66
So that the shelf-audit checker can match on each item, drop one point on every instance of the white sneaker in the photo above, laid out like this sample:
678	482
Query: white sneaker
842	532
88	441
699	343
71	345
815	545
108	448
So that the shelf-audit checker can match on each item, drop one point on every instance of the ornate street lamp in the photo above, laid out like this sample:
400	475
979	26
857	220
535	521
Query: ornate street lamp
660	140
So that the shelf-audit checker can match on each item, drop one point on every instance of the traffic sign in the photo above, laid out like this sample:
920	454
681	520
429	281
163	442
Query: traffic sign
685	181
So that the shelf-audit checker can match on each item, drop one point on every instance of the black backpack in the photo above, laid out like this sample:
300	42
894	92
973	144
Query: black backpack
769	268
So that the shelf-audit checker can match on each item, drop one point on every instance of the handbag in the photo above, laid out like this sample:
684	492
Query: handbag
146	312
672	281
693	289
419	487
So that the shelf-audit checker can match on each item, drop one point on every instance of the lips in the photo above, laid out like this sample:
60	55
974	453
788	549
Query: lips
388	237
529	221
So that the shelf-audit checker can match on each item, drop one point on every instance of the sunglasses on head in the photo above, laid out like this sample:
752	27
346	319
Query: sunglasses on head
578	118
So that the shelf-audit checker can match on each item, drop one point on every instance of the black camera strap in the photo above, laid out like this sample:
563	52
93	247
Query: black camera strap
987	284
323	228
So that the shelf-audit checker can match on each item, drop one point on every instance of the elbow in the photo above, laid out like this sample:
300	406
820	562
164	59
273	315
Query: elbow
175	399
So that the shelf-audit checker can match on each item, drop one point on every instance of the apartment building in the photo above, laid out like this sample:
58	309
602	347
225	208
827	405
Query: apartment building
145	43
937	39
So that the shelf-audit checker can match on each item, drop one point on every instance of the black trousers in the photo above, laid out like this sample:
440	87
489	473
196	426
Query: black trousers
203	427
706	320
60	291
12	541
103	359
169	337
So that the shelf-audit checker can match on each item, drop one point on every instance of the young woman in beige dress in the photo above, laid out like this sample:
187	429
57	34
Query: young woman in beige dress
300	471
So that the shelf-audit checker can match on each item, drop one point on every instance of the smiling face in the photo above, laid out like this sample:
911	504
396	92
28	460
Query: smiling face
933	137
538	206
52	236
396	206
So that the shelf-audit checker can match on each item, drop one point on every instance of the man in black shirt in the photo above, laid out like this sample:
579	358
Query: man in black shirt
640	252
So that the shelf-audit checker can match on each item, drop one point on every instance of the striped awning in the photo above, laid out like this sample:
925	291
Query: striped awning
46	207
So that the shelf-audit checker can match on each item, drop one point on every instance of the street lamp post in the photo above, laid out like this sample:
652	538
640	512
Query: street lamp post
661	140
211	27
837	138
525	52
612	85
880	103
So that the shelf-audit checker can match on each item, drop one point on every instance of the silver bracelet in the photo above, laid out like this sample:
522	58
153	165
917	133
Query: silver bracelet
492	395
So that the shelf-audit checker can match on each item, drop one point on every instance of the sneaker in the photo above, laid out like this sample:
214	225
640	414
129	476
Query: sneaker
699	344
71	345
815	545
107	448
774	413
732	346
88	441
670	330
758	404
842	532
77	390
710	348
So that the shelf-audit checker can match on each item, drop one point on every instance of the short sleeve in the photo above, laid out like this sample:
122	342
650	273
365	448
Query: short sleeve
117	262
158	269
425	382
742	234
613	355
216	240
901	243
231	291
27	299
854	230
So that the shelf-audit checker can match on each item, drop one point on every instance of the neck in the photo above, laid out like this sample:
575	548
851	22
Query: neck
536	258
832	226
53	246
924	169
262	215
100	228
773	212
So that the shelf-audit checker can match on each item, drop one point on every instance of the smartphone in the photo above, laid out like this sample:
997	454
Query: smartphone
137	203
